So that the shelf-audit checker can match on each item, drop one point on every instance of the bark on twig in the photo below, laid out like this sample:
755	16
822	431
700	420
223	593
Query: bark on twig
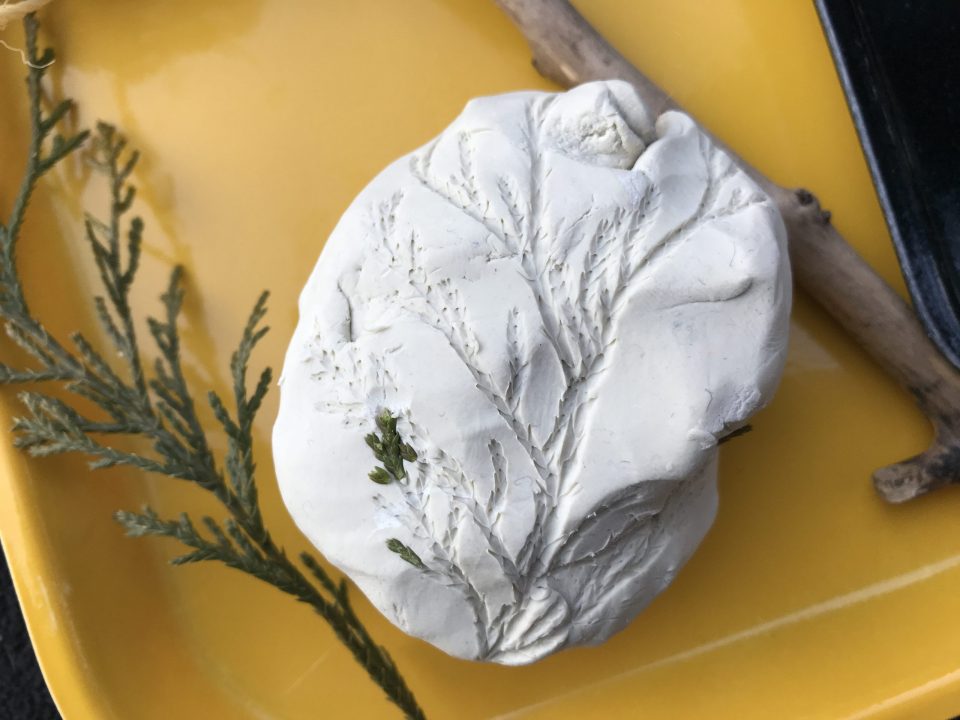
569	51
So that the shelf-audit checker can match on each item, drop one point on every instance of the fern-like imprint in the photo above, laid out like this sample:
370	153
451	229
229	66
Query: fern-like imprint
582	277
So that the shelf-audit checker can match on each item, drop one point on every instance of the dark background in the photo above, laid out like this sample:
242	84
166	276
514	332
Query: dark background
23	693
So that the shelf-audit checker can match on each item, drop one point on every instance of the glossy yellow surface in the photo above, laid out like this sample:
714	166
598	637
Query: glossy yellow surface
259	122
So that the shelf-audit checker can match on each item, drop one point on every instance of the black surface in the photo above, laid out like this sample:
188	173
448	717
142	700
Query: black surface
23	693
899	63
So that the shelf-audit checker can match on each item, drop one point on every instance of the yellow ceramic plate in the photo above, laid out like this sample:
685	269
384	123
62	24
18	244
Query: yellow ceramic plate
259	121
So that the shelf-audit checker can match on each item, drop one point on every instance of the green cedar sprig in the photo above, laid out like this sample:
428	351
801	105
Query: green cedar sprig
157	407
390	449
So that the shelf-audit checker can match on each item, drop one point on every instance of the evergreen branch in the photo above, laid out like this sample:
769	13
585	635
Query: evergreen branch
38	161
159	408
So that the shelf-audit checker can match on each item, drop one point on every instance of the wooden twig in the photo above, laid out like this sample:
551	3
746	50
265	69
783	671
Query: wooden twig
569	51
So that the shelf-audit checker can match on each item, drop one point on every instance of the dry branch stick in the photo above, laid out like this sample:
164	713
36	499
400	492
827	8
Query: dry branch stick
569	51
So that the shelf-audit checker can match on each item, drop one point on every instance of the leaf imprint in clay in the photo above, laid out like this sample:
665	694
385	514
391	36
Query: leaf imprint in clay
500	408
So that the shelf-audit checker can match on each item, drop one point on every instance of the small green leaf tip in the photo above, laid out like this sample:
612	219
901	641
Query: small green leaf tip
386	422
408	453
380	476
374	442
394	545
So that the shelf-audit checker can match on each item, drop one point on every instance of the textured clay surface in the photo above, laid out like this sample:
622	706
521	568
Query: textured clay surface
564	304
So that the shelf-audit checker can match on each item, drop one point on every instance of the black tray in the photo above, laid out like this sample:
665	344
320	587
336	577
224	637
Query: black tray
899	63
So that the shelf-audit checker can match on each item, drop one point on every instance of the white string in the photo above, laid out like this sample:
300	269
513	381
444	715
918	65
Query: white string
23	56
